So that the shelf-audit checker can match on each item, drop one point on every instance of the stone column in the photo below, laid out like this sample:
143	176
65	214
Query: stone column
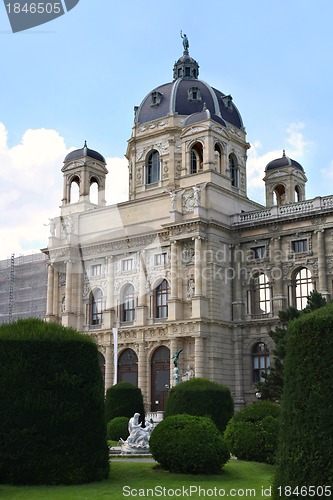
68	318
56	293
174	271
110	284
109	305
238	302
277	274
322	276
143	281
171	173
142	308
108	367
69	286
238	364
84	185
142	367
174	304
198	266
199	301
50	291
199	357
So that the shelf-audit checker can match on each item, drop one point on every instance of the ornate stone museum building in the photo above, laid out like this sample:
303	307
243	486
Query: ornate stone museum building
189	261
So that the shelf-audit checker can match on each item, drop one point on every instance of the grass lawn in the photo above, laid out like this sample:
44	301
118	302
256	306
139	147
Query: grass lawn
144	480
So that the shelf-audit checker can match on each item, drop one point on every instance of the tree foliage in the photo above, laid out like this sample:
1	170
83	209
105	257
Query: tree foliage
189	444
305	453
52	422
271	389
252	432
201	397
123	400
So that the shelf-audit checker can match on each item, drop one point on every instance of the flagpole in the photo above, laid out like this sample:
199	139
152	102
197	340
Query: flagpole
115	355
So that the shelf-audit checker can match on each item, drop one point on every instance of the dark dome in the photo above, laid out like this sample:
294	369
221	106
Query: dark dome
187	95
205	114
285	161
83	152
176	98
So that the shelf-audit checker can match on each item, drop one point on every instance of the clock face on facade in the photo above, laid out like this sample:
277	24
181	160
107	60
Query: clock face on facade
24	15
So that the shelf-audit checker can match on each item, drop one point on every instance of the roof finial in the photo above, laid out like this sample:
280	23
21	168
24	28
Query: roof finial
186	43
284	153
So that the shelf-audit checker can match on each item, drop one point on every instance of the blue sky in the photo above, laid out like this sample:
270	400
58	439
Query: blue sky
79	77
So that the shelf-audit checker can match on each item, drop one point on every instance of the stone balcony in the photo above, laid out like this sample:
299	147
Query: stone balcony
291	210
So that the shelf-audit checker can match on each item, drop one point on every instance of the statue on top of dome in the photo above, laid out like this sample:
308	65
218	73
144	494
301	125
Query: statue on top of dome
186	43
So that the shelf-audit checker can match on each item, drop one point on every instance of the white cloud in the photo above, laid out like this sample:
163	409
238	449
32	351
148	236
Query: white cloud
257	161
31	188
116	180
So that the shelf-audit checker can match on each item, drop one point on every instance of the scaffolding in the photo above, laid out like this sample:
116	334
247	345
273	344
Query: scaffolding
23	287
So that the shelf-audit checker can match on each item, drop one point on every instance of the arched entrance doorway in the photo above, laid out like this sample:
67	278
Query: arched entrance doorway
160	377
128	367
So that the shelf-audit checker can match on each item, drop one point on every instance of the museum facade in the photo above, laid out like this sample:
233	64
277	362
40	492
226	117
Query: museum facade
189	263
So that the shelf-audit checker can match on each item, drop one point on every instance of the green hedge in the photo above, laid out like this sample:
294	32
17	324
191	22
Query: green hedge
189	444
252	433
118	428
123	400
201	397
52	422
305	454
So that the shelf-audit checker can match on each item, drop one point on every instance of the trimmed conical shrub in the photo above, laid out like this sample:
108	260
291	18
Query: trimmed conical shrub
305	452
123	400
189	444
52	421
201	397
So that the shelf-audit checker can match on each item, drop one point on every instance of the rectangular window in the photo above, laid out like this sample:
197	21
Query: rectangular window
96	270
160	259
127	264
258	252
300	246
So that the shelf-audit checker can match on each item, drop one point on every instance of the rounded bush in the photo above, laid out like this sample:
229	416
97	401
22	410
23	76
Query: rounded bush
189	444
123	400
305	453
52	421
118	428
252	433
201	397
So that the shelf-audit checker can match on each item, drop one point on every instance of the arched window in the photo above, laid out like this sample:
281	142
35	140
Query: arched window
303	287
93	193
162	297
153	168
128	367
233	169
196	158
128	309
297	194
96	307
259	300
279	194
218	158
74	190
260	362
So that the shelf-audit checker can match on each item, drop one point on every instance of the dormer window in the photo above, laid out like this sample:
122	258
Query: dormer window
227	101
156	98
194	95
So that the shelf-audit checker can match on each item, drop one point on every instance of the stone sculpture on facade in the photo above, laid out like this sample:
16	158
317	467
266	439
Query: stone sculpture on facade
176	376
